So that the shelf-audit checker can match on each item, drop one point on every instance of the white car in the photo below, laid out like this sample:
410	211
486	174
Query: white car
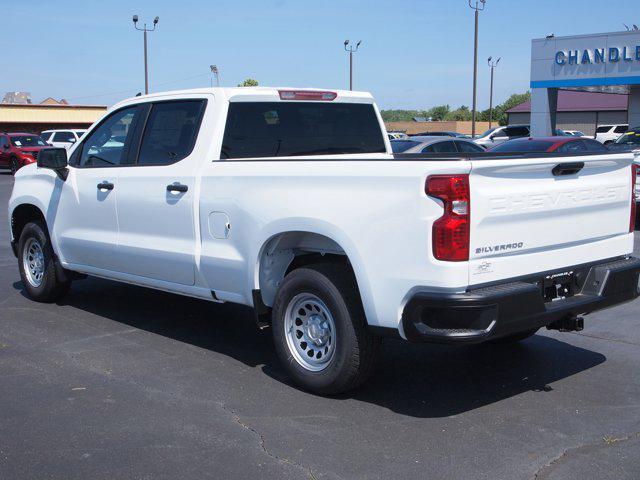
290	201
497	135
607	134
62	138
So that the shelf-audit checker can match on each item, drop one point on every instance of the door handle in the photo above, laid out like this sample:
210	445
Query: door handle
177	188
104	185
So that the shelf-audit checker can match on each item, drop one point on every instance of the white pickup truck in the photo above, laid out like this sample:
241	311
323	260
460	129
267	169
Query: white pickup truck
290	201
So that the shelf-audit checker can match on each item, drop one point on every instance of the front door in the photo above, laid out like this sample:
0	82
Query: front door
156	195
86	227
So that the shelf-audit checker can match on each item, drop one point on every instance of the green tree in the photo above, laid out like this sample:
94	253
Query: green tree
500	111
461	113
438	113
248	82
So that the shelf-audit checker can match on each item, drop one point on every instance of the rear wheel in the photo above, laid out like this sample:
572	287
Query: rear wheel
320	330
37	265
14	165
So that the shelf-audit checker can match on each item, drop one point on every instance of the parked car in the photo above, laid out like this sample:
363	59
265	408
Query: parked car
497	135
551	144
574	133
331	243
435	145
438	134
628	142
396	135
62	138
607	134
19	149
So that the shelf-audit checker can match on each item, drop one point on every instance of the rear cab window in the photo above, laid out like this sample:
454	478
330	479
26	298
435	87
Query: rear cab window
282	129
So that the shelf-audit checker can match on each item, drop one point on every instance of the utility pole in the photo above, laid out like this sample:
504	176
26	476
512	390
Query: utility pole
478	6
351	49
492	65
146	64
216	73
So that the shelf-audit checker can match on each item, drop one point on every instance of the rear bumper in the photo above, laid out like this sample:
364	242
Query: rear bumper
499	310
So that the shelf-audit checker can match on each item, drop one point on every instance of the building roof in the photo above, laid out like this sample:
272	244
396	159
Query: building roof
17	97
577	101
35	113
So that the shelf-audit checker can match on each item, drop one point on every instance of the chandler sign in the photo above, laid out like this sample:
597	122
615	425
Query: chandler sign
598	55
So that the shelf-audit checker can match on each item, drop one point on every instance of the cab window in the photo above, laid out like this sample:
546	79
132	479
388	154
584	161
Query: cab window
66	137
108	144
170	132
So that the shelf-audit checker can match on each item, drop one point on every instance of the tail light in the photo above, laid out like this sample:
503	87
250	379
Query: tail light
307	95
451	231
634	179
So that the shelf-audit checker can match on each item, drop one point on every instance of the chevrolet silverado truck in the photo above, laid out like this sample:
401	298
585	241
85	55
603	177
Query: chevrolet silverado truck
291	202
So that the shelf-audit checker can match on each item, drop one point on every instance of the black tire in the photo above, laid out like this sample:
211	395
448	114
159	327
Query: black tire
516	337
51	288
14	165
355	348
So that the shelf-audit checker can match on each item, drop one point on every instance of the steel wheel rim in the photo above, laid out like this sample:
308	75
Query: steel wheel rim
33	262
310	332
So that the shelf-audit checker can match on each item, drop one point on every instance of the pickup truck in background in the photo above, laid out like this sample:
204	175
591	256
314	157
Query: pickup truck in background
291	202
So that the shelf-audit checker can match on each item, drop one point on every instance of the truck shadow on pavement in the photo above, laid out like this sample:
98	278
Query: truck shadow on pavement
425	381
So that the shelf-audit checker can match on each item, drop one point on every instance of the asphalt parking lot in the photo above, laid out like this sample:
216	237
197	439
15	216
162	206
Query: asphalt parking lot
119	381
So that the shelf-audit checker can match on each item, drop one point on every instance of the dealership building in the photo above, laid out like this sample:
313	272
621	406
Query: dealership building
607	63
577	110
19	114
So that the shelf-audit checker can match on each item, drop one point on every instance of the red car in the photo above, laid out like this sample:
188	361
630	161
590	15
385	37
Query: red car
19	149
551	144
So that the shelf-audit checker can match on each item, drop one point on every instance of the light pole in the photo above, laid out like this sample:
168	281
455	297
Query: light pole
216	73
492	65
145	30
478	6
351	49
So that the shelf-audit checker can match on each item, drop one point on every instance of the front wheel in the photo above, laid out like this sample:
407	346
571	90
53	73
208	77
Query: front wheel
320	331
37	265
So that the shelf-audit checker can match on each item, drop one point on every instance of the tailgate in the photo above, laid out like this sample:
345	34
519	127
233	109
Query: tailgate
527	219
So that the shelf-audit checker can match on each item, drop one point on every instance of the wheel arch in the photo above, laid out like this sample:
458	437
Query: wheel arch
286	250
23	214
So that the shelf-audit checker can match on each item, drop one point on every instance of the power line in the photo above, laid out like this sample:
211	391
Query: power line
138	89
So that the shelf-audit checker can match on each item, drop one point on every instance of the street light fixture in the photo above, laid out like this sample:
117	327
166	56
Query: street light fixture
478	6
145	30
492	65
351	49
216	72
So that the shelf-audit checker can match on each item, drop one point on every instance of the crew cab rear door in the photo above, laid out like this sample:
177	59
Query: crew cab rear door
531	215
156	195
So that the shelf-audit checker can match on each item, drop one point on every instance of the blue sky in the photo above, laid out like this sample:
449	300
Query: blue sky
415	54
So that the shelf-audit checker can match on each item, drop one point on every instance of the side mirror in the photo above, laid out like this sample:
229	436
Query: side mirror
72	140
54	159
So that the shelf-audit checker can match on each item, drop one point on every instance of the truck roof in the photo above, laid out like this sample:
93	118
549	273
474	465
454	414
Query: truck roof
264	94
